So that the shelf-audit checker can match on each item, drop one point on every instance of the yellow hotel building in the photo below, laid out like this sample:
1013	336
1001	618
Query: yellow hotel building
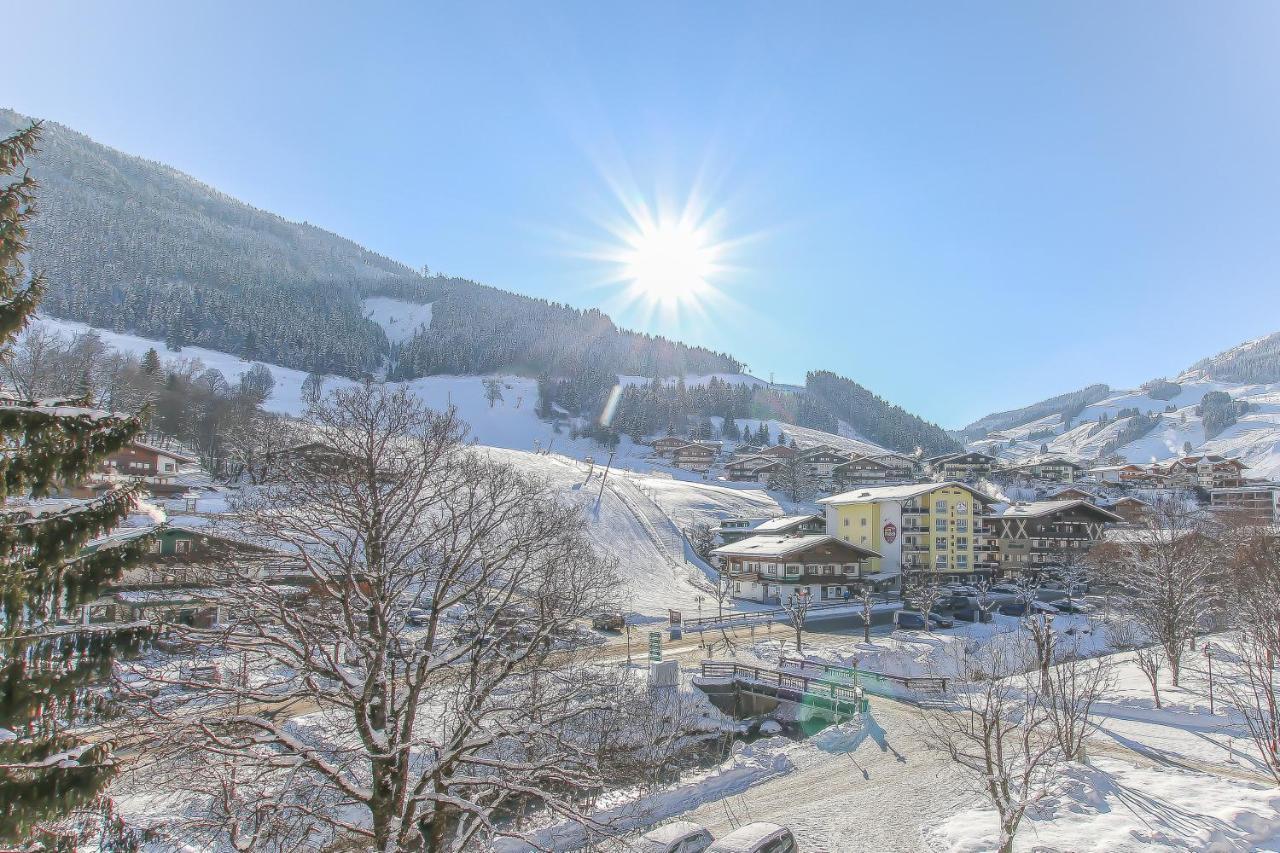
921	527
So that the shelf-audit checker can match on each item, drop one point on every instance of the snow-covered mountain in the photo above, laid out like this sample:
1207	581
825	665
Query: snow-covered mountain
1161	420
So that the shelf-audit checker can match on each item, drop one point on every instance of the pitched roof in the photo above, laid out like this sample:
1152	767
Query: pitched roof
780	547
176	454
783	522
1036	509
871	494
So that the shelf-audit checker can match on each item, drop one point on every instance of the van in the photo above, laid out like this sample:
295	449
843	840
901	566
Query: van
757	838
681	836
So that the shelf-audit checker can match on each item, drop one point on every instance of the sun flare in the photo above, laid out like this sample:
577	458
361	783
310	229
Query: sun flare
669	263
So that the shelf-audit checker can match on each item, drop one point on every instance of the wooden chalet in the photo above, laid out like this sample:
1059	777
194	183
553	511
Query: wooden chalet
752	469
694	456
771	568
1043	534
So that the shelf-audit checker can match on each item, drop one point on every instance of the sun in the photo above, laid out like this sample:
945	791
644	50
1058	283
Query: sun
669	264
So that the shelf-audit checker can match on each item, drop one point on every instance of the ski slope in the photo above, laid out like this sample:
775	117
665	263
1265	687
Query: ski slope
1254	439
400	320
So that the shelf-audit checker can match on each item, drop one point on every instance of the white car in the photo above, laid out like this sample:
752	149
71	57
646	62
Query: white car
681	836
757	838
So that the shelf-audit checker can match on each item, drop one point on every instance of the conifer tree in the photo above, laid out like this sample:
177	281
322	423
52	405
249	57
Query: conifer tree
48	662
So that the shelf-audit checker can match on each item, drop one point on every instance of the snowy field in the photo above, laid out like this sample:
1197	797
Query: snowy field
1254	439
400	320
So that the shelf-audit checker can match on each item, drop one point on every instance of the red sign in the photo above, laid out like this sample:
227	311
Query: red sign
890	532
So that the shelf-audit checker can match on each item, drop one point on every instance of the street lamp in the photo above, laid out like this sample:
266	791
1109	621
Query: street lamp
1208	654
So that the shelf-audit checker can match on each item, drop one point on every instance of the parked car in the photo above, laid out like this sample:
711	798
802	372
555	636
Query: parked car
1073	606
972	614
1005	588
909	620
757	838
613	621
417	617
960	589
1017	608
681	836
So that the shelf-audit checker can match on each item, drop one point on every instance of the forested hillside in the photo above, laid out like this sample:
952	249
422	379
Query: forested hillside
132	245
1068	405
1254	362
874	418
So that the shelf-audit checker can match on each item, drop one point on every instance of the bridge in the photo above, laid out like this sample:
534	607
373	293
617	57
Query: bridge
840	700
817	611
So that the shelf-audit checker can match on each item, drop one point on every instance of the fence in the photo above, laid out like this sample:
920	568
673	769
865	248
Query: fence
910	682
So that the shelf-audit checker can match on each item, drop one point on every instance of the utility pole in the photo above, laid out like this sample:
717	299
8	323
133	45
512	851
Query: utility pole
604	477
627	627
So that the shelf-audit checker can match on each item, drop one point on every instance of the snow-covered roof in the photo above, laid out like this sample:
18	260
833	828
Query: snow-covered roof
672	832
746	838
782	522
873	494
1035	509
174	454
780	547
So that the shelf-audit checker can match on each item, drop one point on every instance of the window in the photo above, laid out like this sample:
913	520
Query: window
828	570
182	546
793	569
939	543
962	541
168	466
846	521
940	506
962	561
940	525
942	561
962	525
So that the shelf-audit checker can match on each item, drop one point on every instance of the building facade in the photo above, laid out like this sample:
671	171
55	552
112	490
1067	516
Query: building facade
769	568
961	466
934	528
1042	534
1258	502
1206	472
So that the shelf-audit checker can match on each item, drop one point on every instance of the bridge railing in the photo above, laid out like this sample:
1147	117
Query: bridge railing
910	682
789	684
747	617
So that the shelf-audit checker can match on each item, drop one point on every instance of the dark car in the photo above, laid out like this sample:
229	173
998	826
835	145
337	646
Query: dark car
972	614
909	620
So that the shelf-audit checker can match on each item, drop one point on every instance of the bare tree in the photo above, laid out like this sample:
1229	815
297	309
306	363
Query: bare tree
985	599
1150	660
867	599
796	606
419	737
1166	580
1000	734
1071	689
794	479
923	595
1038	624
1252	688
1251	684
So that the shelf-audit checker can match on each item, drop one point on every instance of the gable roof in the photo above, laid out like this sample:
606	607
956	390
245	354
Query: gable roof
780	547
174	454
1037	509
784	522
871	494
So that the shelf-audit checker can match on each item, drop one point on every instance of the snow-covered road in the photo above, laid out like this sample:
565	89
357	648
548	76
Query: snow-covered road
883	773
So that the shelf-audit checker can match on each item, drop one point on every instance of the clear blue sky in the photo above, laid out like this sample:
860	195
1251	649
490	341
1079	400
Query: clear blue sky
1075	192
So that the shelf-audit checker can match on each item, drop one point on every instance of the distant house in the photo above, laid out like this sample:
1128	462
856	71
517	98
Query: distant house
779	451
667	445
1043	534
1208	471
1256	501
1075	493
751	469
964	467
1053	470
791	525
1129	508
1126	474
865	471
139	459
819	461
694	456
771	568
735	529
179	579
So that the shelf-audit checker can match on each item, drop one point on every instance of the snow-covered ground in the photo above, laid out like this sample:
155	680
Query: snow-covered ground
400	320
1254	439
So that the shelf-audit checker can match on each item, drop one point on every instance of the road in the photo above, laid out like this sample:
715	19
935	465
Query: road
877	795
